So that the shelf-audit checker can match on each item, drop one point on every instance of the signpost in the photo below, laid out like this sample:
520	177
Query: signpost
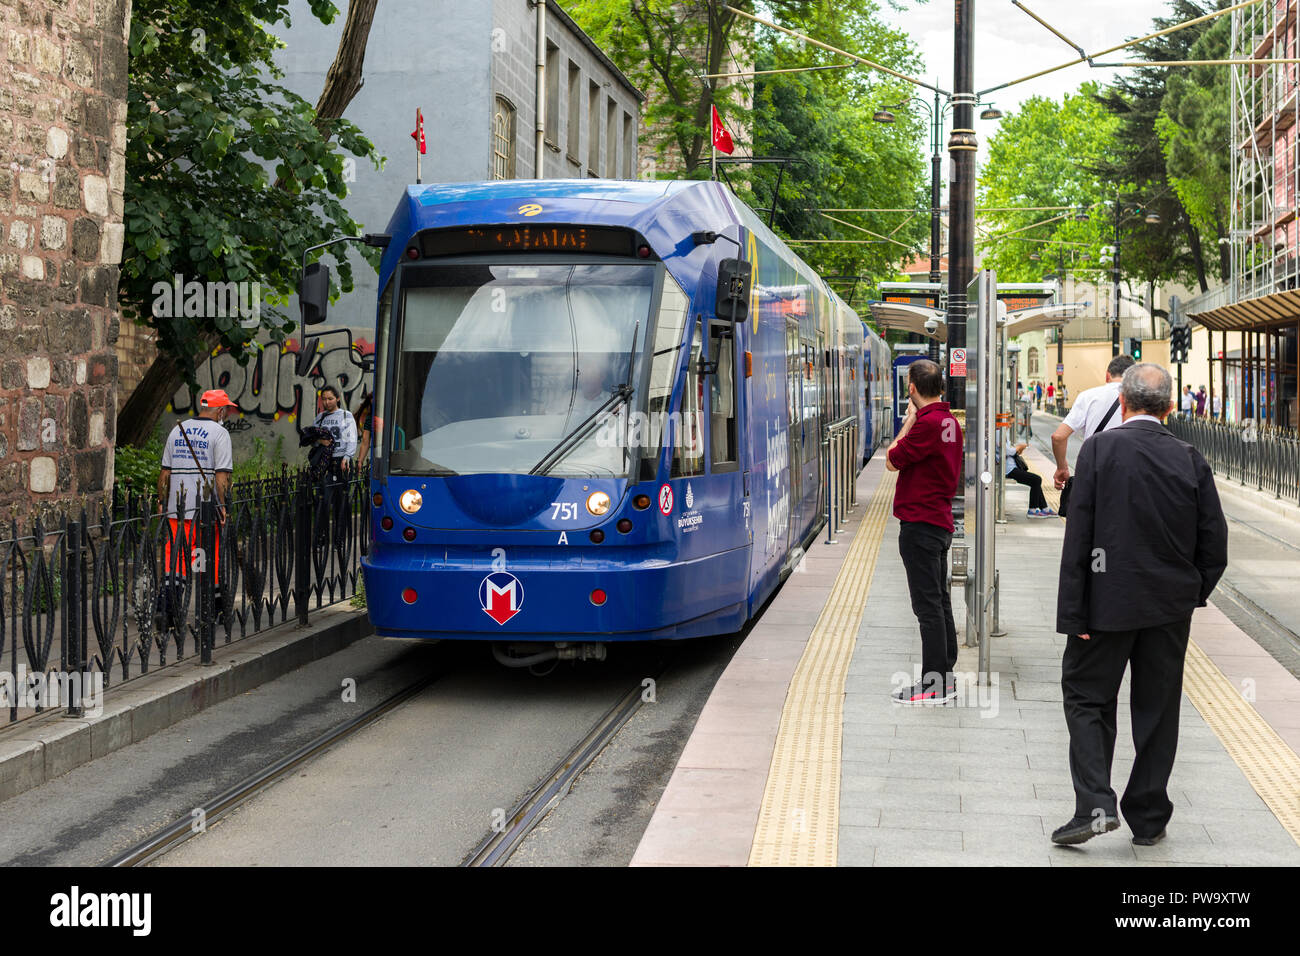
981	434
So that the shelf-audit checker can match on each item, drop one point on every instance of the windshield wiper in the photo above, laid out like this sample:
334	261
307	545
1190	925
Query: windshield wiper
621	394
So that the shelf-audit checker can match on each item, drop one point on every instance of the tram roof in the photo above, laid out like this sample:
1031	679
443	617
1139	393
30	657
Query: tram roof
665	212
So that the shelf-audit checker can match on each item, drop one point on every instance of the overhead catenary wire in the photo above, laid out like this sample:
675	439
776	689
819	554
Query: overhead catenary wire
1120	46
826	46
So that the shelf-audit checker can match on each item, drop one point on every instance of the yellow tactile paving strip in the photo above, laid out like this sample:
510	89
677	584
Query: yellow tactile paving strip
1272	767
798	821
1265	759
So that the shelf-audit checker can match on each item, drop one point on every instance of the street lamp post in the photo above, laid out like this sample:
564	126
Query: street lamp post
1121	215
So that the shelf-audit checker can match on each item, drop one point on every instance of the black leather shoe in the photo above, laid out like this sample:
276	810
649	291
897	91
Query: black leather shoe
1149	841
1083	829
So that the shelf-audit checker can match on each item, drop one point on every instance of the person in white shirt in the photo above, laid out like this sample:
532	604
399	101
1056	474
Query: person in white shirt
338	421
1187	402
1087	413
1016	471
196	465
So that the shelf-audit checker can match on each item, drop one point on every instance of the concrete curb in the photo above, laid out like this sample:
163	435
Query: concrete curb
42	748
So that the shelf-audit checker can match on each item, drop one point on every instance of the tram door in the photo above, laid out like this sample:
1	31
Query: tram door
794	365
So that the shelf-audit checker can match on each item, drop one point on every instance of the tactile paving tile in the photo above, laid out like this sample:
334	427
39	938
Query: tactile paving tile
798	822
1270	766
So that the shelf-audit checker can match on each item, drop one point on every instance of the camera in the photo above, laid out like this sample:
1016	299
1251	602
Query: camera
931	325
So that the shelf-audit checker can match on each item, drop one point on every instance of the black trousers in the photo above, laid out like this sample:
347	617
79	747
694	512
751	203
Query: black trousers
1035	483
924	549
1091	672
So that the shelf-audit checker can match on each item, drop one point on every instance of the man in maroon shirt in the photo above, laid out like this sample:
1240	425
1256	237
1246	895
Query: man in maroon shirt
927	455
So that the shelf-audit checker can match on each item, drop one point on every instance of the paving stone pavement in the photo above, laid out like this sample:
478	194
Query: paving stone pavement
986	781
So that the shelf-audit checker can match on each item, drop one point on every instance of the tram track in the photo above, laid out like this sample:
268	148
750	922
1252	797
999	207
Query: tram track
499	845
197	821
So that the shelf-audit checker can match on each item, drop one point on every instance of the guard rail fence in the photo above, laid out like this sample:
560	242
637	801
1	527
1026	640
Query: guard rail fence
89	601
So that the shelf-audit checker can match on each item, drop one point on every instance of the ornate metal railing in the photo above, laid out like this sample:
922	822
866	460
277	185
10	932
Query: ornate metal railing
95	603
1262	457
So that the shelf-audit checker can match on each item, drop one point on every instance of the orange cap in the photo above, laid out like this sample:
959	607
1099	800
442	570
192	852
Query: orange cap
216	398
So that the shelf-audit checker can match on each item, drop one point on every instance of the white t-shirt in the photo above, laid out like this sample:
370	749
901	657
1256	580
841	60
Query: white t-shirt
1189	402
343	427
1091	407
211	444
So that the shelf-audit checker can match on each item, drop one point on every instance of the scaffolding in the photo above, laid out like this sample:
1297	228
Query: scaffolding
1265	109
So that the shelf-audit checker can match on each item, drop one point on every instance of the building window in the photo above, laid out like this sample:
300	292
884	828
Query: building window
593	129
629	147
1033	361
611	141
553	95
503	140
575	111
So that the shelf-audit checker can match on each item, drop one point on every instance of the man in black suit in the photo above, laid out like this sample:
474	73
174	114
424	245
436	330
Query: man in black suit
1145	547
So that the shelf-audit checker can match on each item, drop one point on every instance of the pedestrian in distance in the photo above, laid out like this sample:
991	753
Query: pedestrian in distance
1216	407
1187	402
1200	403
1038	395
927	455
334	432
1094	410
340	430
196	465
1145	545
1018	471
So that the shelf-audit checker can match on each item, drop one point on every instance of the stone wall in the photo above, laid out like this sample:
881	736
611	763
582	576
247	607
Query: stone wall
62	141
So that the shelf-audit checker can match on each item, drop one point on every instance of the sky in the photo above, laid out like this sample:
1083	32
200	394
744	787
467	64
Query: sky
1009	44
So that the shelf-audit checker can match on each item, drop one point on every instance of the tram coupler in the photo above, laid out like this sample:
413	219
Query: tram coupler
530	654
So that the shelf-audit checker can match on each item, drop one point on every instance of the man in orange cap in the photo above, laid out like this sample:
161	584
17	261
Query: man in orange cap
196	465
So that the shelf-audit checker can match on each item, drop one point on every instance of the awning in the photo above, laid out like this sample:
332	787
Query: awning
1250	315
1039	317
909	318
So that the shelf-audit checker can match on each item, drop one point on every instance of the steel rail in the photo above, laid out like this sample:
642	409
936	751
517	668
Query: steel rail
1251	609
497	847
184	828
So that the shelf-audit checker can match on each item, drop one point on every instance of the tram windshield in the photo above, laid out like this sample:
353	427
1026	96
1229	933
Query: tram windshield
517	369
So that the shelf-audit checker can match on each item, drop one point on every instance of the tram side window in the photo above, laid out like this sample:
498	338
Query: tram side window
670	330
722	398
384	321
687	426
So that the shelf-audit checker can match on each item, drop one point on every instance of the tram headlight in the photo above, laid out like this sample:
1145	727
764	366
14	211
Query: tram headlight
598	503
410	501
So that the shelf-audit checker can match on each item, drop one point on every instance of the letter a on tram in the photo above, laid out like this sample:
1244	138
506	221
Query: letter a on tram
501	595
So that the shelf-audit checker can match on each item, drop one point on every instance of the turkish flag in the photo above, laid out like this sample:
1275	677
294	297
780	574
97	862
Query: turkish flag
721	138
418	135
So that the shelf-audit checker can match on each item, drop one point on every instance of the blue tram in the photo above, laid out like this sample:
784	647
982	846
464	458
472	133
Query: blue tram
599	410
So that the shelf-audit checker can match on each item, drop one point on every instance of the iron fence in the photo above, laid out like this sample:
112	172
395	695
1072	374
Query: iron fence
1261	456
102	599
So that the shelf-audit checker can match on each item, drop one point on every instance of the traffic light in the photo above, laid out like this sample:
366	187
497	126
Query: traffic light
1133	346
1180	343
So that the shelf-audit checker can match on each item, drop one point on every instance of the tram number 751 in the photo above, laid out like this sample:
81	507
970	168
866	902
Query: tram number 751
564	511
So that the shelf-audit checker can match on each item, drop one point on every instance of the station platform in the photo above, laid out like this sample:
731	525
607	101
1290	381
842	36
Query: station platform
800	757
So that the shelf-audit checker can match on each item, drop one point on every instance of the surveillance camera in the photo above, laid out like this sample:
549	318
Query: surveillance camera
931	325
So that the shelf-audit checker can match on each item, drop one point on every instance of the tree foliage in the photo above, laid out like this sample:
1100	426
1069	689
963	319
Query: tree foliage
1193	127
228	178
1045	155
820	120
1173	248
842	158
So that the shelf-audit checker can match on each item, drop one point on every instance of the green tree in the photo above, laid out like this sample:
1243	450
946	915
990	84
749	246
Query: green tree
1136	168
667	48
228	179
1045	155
842	159
1193	127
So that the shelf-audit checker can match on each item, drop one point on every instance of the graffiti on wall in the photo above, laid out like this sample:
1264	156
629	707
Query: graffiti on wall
277	390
